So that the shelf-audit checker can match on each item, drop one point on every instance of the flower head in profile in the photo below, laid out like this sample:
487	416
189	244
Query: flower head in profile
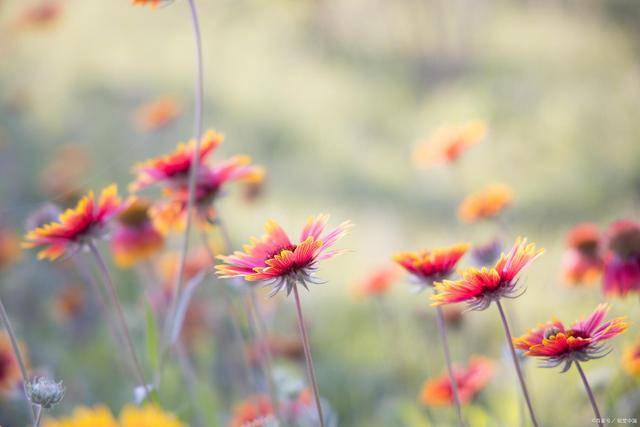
582	341
279	262
157	114
448	143
479	288
75	227
255	411
45	392
631	359
486	203
135	237
10	376
470	380
622	258
429	266
378	282
582	260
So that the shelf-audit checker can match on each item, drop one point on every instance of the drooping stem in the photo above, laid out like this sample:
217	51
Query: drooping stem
18	355
516	363
265	351
447	358
592	398
108	281
307	354
193	170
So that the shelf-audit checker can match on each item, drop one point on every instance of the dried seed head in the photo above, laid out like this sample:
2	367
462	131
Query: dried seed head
45	392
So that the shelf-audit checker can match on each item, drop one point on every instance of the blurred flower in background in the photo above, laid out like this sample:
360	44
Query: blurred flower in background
254	411
487	203
10	376
448	143
631	359
622	260
42	14
9	247
429	266
487	253
582	260
157	114
470	379
135	237
130	416
378	281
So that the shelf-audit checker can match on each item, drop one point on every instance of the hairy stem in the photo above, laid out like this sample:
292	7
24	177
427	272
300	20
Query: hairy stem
193	170
516	363
307	354
267	362
18	355
447	358
106	277
587	387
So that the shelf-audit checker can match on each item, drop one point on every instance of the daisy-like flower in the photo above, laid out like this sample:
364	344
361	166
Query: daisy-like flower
582	341
631	359
622	260
478	288
378	282
448	143
470	379
173	169
135	237
486	203
157	114
582	261
171	214
10	376
255	411
277	261
429	266
75	227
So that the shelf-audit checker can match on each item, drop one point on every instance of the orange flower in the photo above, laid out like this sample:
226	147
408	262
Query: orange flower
580	342
256	411
151	3
631	359
429	266
75	227
582	261
135	238
479	288
378	282
157	114
10	376
9	248
470	380
447	144
486	203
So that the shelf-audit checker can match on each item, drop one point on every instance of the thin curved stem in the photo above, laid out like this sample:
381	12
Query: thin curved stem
267	361
514	356
39	412
592	398
193	170
447	358
106	277
18	354
307	354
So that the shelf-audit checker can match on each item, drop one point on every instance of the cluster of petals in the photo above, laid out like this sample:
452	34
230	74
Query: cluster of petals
75	227
470	380
276	260
580	342
479	288
429	266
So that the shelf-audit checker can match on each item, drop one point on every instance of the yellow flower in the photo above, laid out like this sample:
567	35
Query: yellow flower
130	416
99	416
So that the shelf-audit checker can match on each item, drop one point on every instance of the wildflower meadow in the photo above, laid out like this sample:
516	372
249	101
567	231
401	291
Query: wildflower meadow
330	213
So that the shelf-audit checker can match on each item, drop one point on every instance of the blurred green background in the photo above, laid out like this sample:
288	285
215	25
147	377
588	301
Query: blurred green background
331	96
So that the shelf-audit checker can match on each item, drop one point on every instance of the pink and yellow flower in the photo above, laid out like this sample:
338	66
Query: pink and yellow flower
378	282
622	260
157	114
582	261
478	288
582	341
429	266
470	380
631	359
75	227
277	261
486	203
135	238
256	411
448	143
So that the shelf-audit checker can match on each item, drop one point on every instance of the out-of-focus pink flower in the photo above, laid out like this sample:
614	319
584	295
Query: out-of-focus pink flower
134	237
622	259
470	379
582	260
